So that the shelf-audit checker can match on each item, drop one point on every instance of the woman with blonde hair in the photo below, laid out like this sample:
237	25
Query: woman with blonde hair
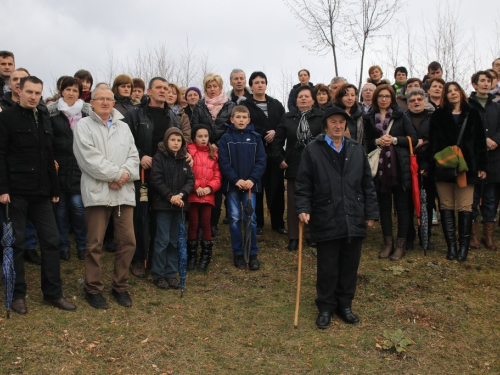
375	72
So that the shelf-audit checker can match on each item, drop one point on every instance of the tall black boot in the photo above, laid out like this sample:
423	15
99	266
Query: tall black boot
464	231
192	252
448	223
206	255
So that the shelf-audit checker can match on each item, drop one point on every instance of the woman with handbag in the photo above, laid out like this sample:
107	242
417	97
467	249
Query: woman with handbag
385	130
456	124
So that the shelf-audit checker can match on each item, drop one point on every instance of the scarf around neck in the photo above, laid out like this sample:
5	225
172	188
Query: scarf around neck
214	105
304	135
73	113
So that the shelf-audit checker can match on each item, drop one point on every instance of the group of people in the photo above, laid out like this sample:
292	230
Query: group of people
83	160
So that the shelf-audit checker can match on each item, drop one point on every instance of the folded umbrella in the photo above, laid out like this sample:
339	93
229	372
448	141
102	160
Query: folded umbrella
8	273
415	189
424	217
248	228
182	251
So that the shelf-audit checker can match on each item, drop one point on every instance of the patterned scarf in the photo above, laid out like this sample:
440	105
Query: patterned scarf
214	105
387	168
304	135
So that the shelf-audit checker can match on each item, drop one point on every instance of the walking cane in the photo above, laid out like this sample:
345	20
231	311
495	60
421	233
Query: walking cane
299	277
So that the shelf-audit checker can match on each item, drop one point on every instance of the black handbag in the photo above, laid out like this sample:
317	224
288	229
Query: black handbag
450	174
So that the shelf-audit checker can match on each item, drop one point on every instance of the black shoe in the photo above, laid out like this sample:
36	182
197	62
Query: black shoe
173	283
161	283
410	245
310	243
110	245
253	264
32	257
347	315
65	255
225	221
293	245
260	231
281	231
123	298
19	306
215	232
239	262
97	301
80	254
323	320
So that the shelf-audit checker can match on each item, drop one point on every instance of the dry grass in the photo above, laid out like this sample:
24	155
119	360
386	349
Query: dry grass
234	322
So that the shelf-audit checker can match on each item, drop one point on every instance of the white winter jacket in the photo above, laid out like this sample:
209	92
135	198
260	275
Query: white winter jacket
103	155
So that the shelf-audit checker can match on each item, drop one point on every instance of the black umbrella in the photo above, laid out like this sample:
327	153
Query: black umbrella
424	218
143	215
248	228
182	251
8	273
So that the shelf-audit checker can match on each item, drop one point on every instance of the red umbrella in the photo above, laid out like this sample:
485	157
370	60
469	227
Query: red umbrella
415	190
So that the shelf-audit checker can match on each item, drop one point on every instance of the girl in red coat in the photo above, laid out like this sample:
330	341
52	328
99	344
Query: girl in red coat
207	182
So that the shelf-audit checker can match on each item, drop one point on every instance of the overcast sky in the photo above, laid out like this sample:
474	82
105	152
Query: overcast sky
54	38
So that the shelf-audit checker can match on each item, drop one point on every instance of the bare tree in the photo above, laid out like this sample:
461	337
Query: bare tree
367	22
321	19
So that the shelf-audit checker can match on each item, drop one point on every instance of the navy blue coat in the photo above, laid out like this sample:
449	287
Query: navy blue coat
241	157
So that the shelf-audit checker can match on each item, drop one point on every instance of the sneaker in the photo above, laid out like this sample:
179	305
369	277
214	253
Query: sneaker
97	301
434	218
137	269
161	283
173	283
123	298
239	262
254	264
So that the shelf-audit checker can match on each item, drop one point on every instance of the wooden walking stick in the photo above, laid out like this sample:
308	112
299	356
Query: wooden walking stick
299	277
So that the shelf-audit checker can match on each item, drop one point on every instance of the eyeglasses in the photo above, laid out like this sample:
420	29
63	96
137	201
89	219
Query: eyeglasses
416	100
104	100
384	97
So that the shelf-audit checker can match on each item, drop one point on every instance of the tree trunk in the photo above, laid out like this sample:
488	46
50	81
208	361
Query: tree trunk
362	61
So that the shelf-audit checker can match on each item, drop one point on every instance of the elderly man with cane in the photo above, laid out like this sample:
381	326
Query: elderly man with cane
335	195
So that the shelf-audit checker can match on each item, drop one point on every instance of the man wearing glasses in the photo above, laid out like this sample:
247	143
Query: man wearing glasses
105	151
367	95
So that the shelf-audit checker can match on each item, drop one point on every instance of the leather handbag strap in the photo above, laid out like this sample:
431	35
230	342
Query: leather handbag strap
462	129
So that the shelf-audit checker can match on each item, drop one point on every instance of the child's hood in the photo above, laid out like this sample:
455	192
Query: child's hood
162	146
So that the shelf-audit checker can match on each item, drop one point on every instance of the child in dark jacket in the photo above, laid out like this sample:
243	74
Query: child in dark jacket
242	161
172	180
206	182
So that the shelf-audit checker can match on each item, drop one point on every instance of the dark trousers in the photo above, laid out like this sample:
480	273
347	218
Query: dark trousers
338	262
144	241
385	208
273	184
292	218
39	210
430	190
199	215
486	193
216	211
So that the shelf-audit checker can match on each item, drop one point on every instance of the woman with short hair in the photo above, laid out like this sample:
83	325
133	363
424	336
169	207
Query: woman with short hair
122	89
323	97
175	104
346	98
375	76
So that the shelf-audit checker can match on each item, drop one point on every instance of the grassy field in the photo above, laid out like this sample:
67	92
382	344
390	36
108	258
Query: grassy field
237	322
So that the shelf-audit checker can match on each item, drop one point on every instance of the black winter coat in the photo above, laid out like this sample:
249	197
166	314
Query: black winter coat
355	119
69	173
287	131
6	101
423	129
201	115
292	97
401	128
123	104
490	117
444	132
141	124
339	202
262	123
26	156
170	175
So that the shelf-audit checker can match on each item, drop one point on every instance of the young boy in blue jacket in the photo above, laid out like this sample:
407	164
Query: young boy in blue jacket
242	162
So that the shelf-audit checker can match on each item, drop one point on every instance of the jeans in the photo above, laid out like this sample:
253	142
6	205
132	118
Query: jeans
488	207
165	257
237	202
30	237
71	204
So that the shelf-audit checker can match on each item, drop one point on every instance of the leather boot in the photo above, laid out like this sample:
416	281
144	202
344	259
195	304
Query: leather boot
32	257
206	255
474	241
487	239
192	253
448	223
464	231
388	249
399	252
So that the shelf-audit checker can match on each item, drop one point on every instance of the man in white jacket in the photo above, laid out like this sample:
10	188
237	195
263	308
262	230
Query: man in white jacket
105	151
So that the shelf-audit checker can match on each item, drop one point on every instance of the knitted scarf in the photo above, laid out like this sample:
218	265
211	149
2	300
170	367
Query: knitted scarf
73	113
399	87
387	168
214	105
304	135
